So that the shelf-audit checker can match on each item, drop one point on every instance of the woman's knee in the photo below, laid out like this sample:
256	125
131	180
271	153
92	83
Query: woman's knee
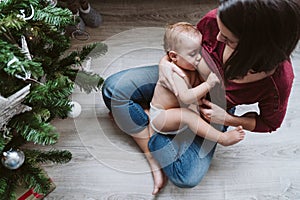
134	83
152	144
107	91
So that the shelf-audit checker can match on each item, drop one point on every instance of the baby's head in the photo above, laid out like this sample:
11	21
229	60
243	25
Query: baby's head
176	34
182	42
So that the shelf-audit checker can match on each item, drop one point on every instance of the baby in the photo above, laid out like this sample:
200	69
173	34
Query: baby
171	114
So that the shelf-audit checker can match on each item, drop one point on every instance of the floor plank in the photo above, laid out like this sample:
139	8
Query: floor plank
107	164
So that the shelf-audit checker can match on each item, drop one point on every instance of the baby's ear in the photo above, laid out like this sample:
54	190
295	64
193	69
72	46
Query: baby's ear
172	55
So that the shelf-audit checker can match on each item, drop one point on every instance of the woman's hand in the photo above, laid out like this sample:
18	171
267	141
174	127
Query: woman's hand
218	115
166	70
213	112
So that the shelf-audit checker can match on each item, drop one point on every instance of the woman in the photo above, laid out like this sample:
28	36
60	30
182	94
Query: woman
248	42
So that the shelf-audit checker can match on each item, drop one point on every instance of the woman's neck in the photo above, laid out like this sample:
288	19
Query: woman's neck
226	53
250	77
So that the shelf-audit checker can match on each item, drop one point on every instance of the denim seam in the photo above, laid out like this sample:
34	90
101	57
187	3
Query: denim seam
177	154
142	114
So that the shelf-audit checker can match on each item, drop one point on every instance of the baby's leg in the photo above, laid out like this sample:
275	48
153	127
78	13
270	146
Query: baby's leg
175	118
168	120
205	130
199	126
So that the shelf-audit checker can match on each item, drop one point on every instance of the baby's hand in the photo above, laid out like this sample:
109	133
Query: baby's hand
212	79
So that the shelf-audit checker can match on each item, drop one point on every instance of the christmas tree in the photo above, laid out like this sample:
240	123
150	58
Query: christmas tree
36	81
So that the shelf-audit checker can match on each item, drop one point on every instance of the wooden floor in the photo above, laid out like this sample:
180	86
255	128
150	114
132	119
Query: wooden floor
107	164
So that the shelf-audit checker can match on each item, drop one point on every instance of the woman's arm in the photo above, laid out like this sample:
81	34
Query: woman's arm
218	115
247	121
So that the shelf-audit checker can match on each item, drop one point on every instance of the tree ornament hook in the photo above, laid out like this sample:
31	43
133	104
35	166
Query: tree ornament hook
24	16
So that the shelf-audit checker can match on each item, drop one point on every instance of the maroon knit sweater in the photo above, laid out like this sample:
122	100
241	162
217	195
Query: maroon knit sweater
271	93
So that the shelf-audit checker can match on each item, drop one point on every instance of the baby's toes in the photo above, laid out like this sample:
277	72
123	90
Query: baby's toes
242	135
239	128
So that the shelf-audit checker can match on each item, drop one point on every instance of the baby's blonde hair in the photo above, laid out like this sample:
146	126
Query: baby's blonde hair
173	34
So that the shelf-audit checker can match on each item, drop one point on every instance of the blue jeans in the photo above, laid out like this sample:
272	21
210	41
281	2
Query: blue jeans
186	157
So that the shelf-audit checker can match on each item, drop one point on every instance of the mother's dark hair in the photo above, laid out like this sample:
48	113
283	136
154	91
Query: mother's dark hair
268	32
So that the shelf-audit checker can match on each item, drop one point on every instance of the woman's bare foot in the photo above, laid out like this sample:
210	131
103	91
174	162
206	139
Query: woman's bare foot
232	137
159	178
142	139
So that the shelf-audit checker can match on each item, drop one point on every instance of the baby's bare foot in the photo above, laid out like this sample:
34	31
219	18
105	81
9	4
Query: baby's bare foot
232	137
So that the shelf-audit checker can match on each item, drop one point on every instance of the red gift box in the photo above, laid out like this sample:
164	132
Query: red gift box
29	194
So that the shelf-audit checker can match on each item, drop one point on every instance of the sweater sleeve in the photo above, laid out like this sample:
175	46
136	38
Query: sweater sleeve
273	108
270	118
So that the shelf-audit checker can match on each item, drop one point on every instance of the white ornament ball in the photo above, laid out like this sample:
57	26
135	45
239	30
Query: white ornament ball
76	109
13	159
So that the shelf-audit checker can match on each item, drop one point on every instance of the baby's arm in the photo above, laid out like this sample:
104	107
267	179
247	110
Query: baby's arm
192	95
212	79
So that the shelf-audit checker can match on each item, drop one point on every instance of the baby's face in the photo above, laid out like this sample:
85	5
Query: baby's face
189	51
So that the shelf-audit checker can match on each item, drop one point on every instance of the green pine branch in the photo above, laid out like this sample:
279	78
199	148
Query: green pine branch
10	15
33	129
87	81
98	50
53	96
54	16
34	177
11	22
7	188
14	62
47	46
30	174
5	139
75	57
10	6
54	156
2	142
13	86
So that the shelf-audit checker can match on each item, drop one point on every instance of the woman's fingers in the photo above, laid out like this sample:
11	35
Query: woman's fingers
206	113
207	103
